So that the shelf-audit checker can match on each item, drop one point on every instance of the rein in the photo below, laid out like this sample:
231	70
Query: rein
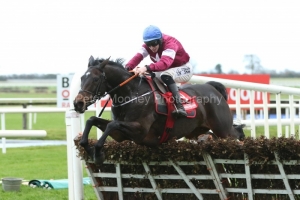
120	85
132	99
97	96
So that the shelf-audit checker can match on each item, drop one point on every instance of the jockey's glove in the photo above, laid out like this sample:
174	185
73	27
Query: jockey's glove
148	68
127	68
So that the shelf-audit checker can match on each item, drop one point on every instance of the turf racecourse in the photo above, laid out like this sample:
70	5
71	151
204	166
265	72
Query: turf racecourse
47	162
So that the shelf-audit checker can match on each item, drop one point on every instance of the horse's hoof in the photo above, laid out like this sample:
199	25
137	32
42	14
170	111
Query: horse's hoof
90	151
204	137
98	160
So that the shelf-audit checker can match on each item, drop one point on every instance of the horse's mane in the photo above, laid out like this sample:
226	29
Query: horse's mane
117	62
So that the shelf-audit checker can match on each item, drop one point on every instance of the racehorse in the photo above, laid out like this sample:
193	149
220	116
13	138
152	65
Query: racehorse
133	104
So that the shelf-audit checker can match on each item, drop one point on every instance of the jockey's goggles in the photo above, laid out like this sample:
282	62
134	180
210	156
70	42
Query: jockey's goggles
152	43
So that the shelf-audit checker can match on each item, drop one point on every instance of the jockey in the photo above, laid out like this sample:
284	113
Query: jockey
170	62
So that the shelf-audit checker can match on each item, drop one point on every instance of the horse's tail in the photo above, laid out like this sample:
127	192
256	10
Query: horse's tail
220	87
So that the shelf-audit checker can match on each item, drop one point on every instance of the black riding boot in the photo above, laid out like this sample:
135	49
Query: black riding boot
179	110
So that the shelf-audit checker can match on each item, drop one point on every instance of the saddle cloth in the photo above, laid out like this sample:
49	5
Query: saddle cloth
164	105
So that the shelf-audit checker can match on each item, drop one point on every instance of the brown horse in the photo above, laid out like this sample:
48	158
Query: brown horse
136	119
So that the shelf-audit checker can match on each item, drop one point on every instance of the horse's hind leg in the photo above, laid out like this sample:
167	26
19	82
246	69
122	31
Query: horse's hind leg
92	121
196	132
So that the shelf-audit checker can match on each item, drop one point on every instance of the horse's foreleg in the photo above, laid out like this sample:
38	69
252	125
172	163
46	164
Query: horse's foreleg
92	121
119	131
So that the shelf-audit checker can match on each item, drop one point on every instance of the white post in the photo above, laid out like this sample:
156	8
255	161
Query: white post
30	117
266	114
3	128
74	163
292	115
73	127
70	144
98	110
82	122
278	115
287	127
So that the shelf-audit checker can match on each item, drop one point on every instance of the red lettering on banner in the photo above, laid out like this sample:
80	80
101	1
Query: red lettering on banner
65	104
245	94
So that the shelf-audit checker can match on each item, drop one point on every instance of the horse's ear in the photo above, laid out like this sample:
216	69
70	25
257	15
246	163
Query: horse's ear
91	61
103	63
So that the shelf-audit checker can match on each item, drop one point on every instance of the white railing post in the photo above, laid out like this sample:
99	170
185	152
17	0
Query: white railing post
3	128
278	115
287	116
266	114
98	110
30	116
292	115
252	114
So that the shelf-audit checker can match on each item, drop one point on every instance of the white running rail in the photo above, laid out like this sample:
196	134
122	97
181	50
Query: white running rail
19	133
293	93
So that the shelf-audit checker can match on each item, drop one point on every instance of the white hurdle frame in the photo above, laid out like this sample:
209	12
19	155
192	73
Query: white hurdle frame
73	120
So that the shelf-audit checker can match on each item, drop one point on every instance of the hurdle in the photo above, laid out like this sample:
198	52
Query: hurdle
229	170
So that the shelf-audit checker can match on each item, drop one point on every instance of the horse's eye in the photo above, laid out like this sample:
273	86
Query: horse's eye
95	79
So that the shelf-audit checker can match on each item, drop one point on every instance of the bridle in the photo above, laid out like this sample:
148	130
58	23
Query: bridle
96	95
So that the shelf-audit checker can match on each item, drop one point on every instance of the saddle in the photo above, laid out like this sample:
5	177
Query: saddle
163	99
164	105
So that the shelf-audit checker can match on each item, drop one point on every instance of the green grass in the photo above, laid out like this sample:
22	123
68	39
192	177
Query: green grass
49	162
272	130
35	162
27	95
